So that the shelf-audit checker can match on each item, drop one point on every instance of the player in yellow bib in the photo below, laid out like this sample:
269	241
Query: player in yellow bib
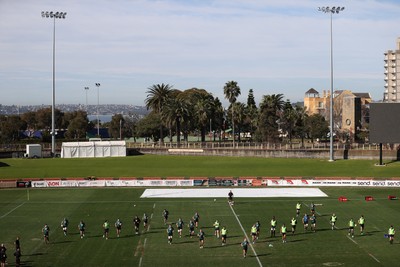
253	233
391	233
216	229
273	226
283	232
351	227
223	235
333	220
293	222
298	208
361	222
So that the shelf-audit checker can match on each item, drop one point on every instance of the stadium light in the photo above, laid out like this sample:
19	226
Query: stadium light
86	90
54	16
331	10
98	100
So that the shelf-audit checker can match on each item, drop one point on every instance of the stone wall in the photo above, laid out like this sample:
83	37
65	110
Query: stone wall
273	153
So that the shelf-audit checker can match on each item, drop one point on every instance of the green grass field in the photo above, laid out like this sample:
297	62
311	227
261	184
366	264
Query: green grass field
23	213
173	166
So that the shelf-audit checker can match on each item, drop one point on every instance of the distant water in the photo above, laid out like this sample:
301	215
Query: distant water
102	118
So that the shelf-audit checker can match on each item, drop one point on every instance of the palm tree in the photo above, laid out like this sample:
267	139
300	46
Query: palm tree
157	95
175	112
218	117
300	125
203	109
240	116
231	92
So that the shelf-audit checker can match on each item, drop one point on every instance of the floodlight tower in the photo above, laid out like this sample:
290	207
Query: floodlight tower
331	11
98	100
86	90
54	16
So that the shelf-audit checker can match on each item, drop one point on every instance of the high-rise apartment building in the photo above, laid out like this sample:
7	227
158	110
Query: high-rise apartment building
392	75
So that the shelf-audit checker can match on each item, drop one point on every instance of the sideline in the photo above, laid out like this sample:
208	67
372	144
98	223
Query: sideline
5	215
241	226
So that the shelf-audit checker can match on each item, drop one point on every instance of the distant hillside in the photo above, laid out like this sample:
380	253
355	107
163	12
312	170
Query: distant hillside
91	109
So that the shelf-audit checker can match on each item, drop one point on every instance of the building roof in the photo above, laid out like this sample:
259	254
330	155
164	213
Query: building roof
312	91
362	95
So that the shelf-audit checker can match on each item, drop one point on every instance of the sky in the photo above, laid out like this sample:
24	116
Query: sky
272	47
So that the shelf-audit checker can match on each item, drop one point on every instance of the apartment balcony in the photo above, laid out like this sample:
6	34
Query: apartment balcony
386	78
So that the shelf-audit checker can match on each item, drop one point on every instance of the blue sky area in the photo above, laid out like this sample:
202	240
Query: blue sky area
128	45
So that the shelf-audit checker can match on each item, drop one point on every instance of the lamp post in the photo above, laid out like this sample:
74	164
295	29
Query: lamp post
331	11
54	16
86	90
120	129
98	100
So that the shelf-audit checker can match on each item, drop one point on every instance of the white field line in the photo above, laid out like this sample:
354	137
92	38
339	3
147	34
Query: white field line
145	240
241	226
5	215
352	240
369	254
372	256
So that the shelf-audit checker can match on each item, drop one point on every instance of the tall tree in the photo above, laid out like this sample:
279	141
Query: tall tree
77	124
270	110
148	126
288	120
218	118
317	127
157	95
10	127
116	129
251	114
231	92
202	111
176	111
300	124
239	118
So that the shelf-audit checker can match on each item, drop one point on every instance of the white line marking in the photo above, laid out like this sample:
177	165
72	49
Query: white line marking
352	239
241	226
140	261
5	215
151	216
154	206
372	256
144	244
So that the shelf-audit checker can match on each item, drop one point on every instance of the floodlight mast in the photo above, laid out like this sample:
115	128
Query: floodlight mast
98	100
86	90
54	16
331	10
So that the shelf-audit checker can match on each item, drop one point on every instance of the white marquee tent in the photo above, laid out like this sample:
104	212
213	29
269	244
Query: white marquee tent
94	149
